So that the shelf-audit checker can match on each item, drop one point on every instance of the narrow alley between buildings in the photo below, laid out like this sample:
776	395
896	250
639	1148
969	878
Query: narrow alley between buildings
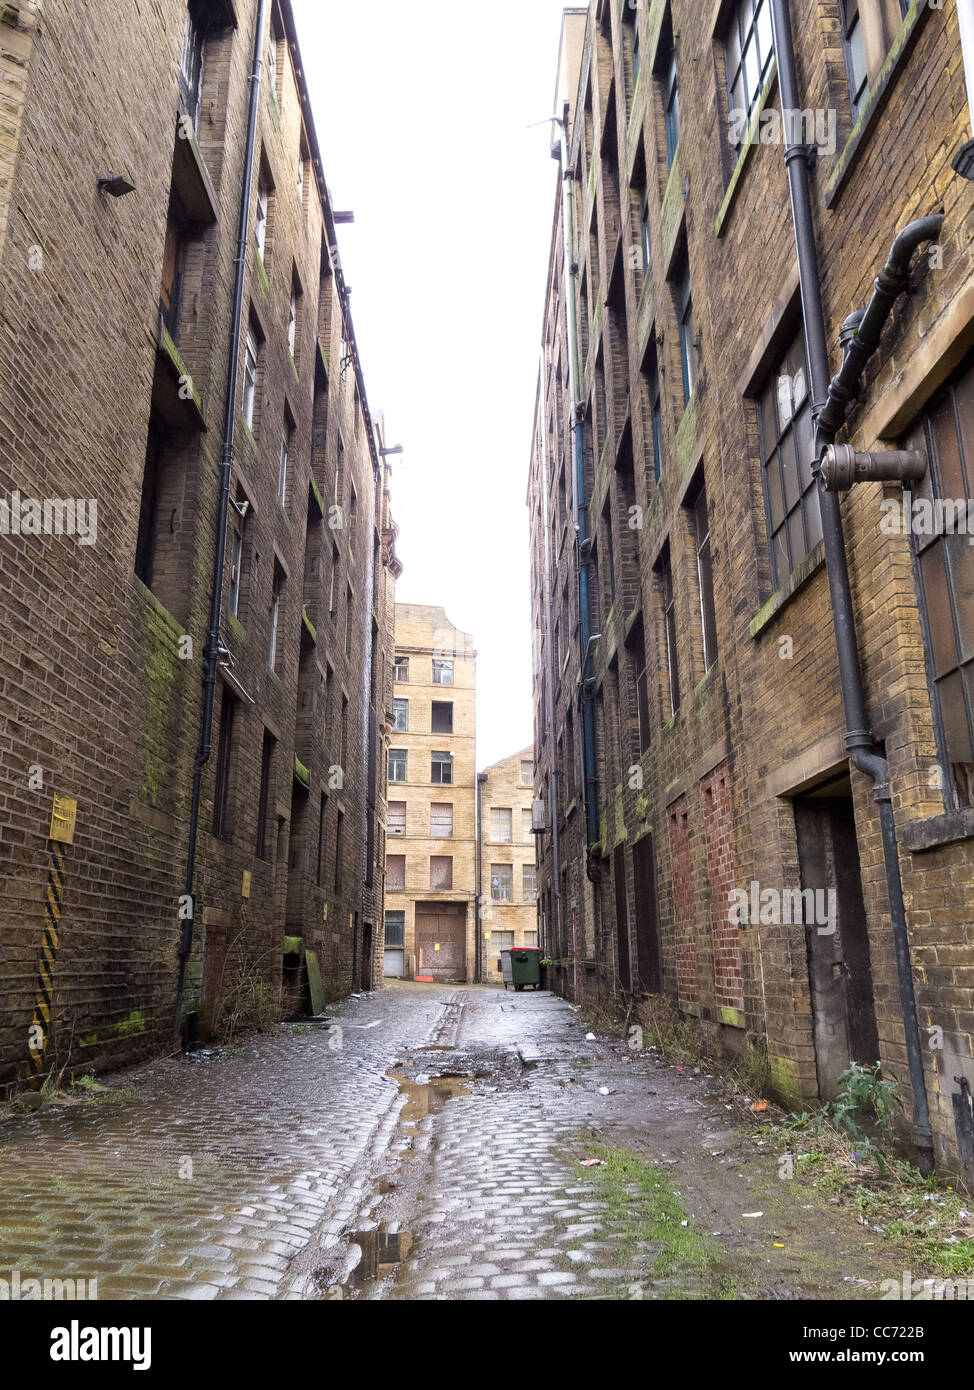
424	1143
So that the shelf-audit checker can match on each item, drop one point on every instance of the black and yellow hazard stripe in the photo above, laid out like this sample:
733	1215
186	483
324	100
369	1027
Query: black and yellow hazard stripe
44	1002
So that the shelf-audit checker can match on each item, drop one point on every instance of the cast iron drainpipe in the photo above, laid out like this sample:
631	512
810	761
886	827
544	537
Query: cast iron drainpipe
830	400
211	656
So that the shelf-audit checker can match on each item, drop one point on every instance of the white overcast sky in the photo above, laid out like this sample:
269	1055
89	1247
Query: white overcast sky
421	111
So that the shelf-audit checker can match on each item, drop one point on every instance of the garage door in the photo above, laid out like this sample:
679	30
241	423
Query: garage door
441	942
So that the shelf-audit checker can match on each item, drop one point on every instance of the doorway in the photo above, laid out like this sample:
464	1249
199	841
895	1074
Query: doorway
837	938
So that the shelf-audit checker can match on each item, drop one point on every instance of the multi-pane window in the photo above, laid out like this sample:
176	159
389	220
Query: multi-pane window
441	769
669	627
191	64
442	672
250	380
395	928
400	715
944	560
529	883
502	883
787	446
292	322
651	372
402	669
644	229
671	104
441	820
705	576
526	825
441	717
441	873
855	54
277	588
282	464
500	825
260	220
527	772
688	343
747	54
236	567
396	872
397	764
396	818
531	937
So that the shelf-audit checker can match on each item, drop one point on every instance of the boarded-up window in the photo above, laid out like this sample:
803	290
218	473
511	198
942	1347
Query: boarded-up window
441	821
397	818
395	871
500	825
441	872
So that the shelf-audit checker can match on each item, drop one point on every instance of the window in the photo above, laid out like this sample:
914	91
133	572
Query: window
348	620
301	164
442	672
787	445
501	941
395	928
260	220
266	767
251	361
531	938
747	56
644	229
397	764
671	103
441	873
277	589
636	647
526	826
669	627
944	564
441	769
396	819
441	719
236	567
292	322
441	821
500	825
339	849
228	709
855	55
529	883
191	65
396	872
402	669
501	883
320	871
274	44
282	464
705	576
688	345
631	23
651	375
400	716
173	266
527	772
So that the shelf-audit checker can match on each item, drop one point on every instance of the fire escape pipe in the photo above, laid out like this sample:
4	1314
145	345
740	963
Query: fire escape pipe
829	403
211	655
579	516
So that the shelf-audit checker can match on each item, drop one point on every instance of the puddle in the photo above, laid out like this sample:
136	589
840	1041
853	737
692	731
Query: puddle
428	1097
382	1252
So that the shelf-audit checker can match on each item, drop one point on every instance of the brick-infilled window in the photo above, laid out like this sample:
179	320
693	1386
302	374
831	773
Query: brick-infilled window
441	820
791	492
502	883
263	800
721	874
441	873
700	517
396	872
748	50
224	756
684	925
944	567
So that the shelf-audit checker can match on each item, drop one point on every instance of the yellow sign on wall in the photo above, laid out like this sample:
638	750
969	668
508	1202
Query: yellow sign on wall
245	885
64	816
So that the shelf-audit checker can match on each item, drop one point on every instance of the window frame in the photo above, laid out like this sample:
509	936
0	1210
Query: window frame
806	493
394	759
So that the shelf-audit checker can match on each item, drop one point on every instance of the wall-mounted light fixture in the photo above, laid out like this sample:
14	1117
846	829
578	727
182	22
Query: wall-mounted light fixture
117	185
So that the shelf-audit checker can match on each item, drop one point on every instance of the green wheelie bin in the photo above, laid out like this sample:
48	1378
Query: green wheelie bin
521	965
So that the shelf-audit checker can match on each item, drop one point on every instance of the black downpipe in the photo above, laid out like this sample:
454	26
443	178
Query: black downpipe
211	656
829	402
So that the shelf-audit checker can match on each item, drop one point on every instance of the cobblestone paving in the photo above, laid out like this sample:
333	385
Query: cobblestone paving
312	1164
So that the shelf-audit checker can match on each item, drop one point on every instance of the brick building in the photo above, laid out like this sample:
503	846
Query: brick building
431	860
507	867
722	840
128	380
